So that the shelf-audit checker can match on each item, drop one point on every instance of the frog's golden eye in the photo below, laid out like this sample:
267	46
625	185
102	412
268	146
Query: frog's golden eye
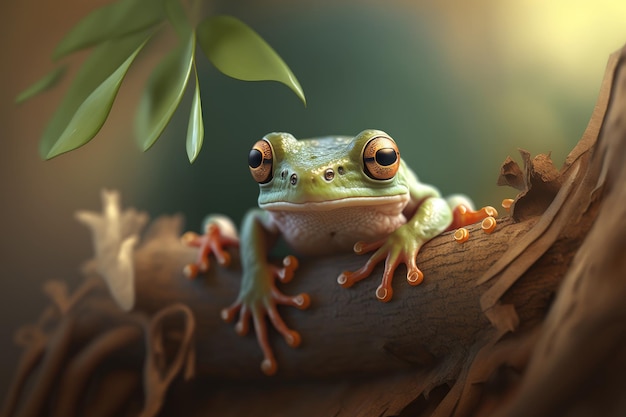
260	161
381	158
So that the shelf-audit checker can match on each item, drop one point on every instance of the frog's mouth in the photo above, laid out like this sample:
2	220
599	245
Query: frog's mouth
392	201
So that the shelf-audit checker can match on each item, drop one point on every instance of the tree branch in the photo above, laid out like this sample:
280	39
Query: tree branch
345	330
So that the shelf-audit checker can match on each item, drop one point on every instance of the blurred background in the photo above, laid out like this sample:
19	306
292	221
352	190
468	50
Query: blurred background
459	85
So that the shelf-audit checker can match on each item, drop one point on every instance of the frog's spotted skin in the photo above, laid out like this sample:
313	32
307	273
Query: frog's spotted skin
327	195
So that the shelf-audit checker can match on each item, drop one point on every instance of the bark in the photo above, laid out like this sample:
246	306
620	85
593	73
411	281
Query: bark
523	321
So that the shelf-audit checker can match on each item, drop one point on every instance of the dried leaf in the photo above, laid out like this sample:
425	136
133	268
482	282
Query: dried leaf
542	184
511	175
114	235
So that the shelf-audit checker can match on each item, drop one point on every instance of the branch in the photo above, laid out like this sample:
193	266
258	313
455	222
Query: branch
345	330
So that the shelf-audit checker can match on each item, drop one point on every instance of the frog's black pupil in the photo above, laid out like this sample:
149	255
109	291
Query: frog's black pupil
255	158
386	156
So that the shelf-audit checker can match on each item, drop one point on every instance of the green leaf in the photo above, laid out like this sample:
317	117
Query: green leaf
239	52
114	20
164	92
177	17
100	64
195	129
92	113
48	81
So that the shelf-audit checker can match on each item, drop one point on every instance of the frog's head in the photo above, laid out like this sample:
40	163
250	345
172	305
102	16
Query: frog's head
328	172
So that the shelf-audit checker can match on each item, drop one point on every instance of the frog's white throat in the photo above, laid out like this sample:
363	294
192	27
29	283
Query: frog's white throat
321	227
392	203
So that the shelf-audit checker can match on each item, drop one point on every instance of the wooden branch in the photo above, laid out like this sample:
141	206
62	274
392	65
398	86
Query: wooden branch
347	330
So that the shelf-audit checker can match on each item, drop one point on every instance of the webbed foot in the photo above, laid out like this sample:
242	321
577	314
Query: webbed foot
219	233
256	304
395	249
463	215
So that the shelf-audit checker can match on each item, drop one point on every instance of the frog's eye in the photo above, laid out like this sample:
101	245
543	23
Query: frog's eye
260	162
381	158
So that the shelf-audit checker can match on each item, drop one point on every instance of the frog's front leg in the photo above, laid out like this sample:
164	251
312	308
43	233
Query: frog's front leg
463	212
259	296
432	217
219	233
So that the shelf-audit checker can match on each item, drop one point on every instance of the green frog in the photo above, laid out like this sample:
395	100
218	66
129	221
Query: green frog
323	196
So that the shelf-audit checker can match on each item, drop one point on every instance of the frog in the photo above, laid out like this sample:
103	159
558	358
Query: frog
322	196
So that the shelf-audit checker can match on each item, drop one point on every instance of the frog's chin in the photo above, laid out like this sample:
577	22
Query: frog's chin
326	205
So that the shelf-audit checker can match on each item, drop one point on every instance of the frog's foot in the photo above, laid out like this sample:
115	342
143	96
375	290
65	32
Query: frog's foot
393	257
219	233
257	308
462	215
